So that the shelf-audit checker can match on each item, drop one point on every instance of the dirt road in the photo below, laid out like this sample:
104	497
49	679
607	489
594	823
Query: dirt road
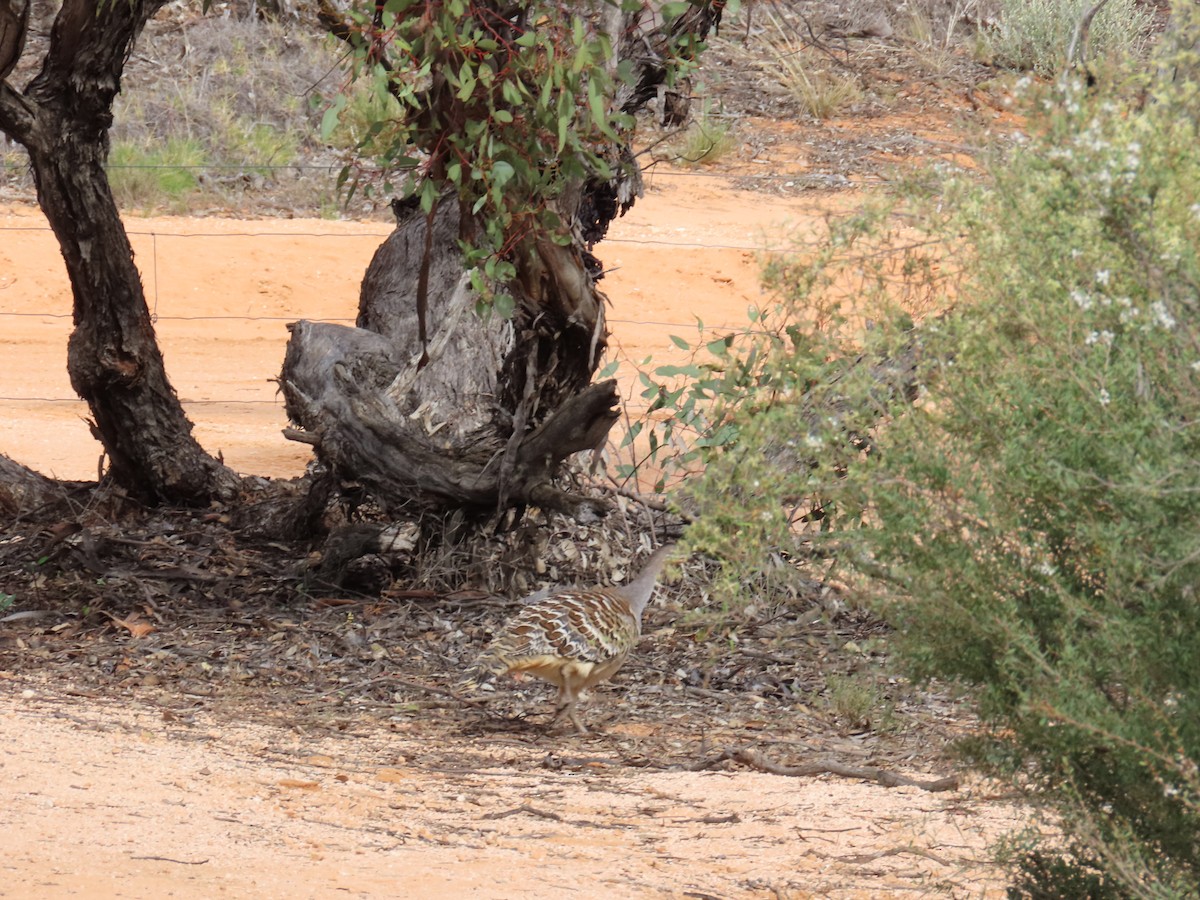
144	798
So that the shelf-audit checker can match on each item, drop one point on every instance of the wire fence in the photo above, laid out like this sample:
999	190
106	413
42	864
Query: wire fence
649	172
155	301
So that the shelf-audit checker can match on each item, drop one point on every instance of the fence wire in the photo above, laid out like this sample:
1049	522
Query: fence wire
380	235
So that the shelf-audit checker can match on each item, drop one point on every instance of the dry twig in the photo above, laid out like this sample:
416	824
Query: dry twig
755	760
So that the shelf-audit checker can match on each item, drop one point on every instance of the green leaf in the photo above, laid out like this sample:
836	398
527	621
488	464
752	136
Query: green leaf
680	342
329	121
630	436
719	347
566	115
467	88
428	195
504	305
609	370
692	371
511	94
596	102
674	9
503	116
502	173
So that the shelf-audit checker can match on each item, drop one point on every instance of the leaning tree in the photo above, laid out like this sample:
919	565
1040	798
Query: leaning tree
61	117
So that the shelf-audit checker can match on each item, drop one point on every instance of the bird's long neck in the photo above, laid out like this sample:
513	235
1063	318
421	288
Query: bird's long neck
638	591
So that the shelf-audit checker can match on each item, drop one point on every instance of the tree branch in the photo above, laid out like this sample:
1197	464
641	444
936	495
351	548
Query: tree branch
23	491
18	114
14	27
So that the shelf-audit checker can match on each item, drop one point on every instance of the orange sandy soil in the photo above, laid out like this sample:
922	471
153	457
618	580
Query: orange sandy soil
130	797
115	800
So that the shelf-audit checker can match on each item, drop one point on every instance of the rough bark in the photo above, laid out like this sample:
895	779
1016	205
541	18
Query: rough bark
24	492
14	26
351	391
62	119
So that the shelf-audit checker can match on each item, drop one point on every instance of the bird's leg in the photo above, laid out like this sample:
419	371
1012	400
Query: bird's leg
568	697
573	713
568	709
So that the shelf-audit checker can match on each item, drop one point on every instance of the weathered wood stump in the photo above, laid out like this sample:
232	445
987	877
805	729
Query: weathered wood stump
482	413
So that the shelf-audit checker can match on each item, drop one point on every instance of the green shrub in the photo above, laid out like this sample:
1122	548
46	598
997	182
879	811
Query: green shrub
1038	511
1016	482
1036	34
772	418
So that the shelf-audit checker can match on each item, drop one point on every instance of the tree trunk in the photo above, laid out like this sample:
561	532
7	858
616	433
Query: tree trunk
428	402
62	119
482	413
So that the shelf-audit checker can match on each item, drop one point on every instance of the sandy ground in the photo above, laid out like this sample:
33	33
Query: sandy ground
150	800
142	796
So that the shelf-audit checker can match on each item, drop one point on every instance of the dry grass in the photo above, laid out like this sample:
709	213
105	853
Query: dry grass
707	140
820	92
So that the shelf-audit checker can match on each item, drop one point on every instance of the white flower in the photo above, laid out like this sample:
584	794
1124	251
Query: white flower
1105	399
1082	299
1104	338
1102	277
1162	315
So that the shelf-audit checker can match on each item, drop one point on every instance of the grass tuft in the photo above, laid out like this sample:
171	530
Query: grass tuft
820	93
707	140
146	176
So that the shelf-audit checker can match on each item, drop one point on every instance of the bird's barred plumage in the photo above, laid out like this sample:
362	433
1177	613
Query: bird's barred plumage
593	626
574	638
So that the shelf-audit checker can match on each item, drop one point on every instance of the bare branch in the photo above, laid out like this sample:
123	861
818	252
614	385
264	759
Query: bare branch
1079	39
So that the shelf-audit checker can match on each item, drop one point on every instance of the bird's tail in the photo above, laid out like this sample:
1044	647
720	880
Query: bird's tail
483	671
